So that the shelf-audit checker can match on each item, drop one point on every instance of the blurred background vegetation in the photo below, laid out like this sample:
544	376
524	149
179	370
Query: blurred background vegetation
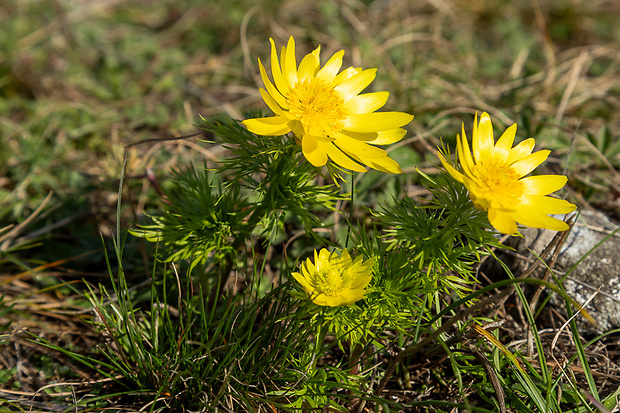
82	82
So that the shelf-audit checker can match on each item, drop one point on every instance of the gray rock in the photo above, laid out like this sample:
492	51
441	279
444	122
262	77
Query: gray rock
598	271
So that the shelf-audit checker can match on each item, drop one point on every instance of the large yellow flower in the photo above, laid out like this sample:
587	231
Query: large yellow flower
333	280
325	111
496	179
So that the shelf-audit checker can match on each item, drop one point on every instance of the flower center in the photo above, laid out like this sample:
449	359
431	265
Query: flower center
498	185
317	106
331	282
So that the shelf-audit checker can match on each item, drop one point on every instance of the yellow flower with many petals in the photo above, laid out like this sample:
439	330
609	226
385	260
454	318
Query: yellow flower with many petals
496	179
334	280
327	113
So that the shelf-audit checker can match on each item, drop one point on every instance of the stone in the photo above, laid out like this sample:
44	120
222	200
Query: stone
598	271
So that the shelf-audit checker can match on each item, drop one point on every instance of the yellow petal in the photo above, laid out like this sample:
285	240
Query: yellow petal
276	72
520	151
309	65
326	300
504	143
352	295
482	141
343	160
386	137
328	72
273	91
502	221
451	170
358	148
321	258
385	164
356	83
364	137
381	163
532	220
377	121
545	205
366	103
271	126
543	184
290	63
273	105
464	153
314	151
303	281
347	73
526	165
363	275
308	270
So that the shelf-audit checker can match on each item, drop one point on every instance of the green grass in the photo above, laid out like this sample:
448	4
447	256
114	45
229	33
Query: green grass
97	318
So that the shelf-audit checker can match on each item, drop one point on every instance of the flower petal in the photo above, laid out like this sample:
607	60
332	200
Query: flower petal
343	160
347	73
309	64
366	103
385	164
543	184
327	300
271	89
358	148
502	221
451	170
303	281
271	126
545	205
376	121
273	105
520	151
526	165
464	153
504	143
327	74
386	137
314	150
345	258
290	63
351	296
356	83
525	217
482	141
276	72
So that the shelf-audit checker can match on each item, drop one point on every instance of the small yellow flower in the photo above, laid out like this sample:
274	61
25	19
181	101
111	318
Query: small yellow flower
333	280
325	111
496	179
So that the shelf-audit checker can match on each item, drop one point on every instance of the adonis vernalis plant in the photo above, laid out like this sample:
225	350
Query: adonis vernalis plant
326	112
334	280
496	179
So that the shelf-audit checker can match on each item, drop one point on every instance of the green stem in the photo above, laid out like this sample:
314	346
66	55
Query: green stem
225	269
318	346
346	243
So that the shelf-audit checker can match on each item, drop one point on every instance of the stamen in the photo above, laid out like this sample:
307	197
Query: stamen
498	184
317	106
331	282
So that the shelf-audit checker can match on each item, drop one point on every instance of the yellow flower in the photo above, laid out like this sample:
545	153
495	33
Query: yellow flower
333	280
325	111
496	179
